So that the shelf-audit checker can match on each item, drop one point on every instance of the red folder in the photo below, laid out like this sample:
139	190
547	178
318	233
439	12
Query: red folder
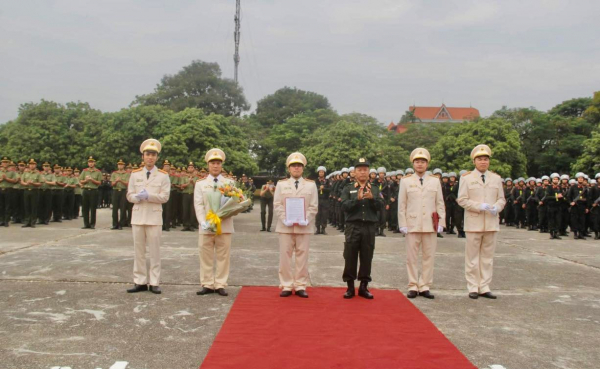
436	221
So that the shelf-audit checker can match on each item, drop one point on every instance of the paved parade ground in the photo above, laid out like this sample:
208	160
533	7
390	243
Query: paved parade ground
64	302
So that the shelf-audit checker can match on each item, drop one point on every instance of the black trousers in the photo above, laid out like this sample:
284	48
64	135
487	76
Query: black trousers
519	215
509	214
45	205
554	218
77	206
58	197
340	214
382	217
268	203
322	214
393	216
6	204
168	211
118	207
187	206
69	204
18	205
89	203
543	216
578	217
30	206
129	208
532	215
360	244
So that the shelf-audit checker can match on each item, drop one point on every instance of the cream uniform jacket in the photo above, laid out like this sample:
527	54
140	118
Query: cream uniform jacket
417	203
287	188
158	186
472	192
201	205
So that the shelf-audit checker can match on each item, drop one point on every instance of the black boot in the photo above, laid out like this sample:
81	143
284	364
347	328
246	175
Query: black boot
596	235
575	236
318	231
381	233
350	291
363	291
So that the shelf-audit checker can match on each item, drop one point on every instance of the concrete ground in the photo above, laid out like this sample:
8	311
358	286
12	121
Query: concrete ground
64	303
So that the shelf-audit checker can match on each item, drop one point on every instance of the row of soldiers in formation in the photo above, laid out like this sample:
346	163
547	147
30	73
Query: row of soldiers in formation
54	193
550	204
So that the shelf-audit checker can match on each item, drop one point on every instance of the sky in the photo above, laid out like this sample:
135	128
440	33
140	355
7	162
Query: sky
375	57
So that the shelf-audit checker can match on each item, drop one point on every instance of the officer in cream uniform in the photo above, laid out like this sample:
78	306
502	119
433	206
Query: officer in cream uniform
294	238
148	188
481	195
420	196
213	276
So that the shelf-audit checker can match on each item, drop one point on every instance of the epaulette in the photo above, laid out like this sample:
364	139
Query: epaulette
309	180
86	169
137	170
469	172
408	175
162	171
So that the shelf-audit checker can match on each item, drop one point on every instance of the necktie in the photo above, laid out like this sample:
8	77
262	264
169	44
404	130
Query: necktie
216	180
421	179
483	178
147	175
296	184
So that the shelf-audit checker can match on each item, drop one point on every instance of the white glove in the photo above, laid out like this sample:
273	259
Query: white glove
205	226
484	207
288	224
493	210
440	229
143	195
303	223
404	230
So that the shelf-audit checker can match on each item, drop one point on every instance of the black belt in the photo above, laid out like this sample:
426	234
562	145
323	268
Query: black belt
90	189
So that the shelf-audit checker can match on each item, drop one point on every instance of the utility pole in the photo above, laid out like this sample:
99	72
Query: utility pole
236	36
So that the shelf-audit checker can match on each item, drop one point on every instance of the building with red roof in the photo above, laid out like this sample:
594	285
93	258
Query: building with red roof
435	114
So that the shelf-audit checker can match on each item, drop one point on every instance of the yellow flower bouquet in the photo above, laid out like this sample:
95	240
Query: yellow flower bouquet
227	201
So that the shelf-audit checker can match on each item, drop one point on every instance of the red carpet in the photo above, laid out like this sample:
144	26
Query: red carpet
265	331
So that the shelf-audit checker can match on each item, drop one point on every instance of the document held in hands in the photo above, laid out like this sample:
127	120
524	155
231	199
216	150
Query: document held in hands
294	210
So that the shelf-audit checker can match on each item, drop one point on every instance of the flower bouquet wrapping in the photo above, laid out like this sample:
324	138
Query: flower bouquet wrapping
228	201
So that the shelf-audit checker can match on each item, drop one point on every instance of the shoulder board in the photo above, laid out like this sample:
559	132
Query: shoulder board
469	172
162	171
308	180
86	169
137	170
199	180
408	175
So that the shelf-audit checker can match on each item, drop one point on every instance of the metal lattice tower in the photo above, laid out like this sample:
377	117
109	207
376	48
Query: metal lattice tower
236	36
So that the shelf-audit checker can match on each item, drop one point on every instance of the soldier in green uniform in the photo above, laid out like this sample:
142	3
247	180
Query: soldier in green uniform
58	194
69	198
8	178
78	193
45	194
128	205
119	180
361	202
19	210
31	180
187	182
90	178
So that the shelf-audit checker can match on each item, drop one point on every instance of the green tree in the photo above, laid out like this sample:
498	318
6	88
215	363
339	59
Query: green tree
198	85
589	160
422	135
572	108
454	149
286	102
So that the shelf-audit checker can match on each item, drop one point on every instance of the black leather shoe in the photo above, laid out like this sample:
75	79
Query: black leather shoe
269	229
488	295
138	288
412	294
363	291
302	293
92	227
26	226
473	295
350	293
322	231
205	291
155	289
439	235
263	229
114	228
285	294
222	292
427	295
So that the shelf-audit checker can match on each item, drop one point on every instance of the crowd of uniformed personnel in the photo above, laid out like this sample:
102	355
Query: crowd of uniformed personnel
550	204
32	195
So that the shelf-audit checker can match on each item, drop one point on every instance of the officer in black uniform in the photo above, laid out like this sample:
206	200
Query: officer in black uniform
323	188
384	190
553	200
578	198
361	202
341	220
